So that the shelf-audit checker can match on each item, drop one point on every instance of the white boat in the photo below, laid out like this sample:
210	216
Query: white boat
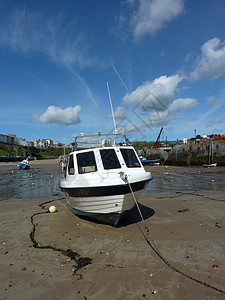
210	154
104	183
210	165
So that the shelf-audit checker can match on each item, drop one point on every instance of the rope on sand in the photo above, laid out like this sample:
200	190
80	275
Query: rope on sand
150	243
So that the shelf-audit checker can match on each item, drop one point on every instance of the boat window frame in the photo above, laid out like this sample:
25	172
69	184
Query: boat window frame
71	165
89	168
130	164
106	162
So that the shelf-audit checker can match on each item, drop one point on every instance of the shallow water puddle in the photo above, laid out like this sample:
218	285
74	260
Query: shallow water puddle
29	184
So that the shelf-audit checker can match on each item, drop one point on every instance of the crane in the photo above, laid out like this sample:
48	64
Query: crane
157	142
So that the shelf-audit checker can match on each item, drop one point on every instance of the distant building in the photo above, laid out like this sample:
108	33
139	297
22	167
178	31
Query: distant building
219	137
12	139
3	138
50	142
7	139
30	144
57	144
41	143
44	143
107	143
21	142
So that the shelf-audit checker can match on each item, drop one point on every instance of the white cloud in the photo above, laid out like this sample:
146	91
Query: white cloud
213	101
163	118
182	104
120	113
131	127
57	115
153	15
211	64
153	102
154	95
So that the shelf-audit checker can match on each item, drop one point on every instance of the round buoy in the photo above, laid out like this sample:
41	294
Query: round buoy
52	209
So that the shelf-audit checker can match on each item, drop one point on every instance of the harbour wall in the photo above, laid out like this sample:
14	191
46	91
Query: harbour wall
190	154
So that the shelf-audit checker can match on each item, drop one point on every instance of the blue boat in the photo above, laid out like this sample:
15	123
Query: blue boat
24	165
149	162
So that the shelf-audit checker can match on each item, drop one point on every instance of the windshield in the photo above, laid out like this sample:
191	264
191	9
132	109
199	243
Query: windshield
109	159
86	162
130	158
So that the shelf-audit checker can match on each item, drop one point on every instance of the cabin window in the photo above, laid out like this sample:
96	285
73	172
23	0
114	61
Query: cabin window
86	162
71	165
109	159
130	158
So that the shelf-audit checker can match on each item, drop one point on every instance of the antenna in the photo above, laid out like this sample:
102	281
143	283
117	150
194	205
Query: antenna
116	131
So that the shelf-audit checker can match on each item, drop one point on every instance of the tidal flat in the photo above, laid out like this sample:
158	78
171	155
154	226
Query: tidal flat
181	257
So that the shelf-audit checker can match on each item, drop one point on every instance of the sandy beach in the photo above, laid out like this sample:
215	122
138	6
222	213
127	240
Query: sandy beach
181	257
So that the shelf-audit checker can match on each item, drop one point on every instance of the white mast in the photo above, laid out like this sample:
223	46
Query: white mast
116	131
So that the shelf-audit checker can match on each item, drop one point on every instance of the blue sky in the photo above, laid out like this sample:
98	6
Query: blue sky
164	61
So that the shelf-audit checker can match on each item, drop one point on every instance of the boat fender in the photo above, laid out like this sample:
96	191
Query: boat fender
52	209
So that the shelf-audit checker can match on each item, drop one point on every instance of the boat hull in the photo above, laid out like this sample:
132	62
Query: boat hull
108	204
120	189
24	166
152	162
108	218
210	165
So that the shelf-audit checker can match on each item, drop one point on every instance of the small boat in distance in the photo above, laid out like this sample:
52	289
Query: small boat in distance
101	182
210	165
149	162
210	157
24	164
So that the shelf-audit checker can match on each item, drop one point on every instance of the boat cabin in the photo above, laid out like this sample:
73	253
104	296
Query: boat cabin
101	159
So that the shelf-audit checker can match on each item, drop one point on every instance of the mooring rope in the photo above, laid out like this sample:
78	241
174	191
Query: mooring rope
150	243
124	177
135	200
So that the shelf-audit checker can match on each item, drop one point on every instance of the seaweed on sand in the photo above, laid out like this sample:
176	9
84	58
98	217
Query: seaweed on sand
81	262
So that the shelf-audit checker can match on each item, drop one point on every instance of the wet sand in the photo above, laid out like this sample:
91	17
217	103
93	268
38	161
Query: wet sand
182	256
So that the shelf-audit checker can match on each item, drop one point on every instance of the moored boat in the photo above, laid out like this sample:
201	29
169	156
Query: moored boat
101	182
149	162
210	165
210	154
24	164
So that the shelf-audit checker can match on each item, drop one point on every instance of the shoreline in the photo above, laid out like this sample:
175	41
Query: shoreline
42	163
187	230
